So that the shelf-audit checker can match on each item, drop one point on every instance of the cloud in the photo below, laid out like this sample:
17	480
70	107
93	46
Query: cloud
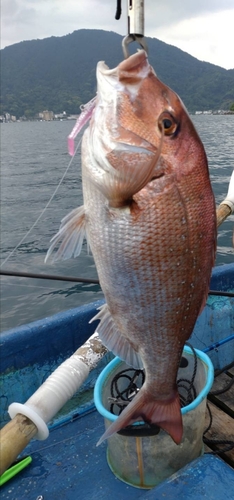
198	36
162	13
179	23
25	20
59	16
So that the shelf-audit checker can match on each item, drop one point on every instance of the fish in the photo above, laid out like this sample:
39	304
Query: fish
149	218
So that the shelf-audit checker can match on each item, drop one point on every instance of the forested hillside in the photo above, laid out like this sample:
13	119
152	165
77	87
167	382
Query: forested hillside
58	73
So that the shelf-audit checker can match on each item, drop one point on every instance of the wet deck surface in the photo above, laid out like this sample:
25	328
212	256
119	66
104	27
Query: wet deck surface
222	410
68	465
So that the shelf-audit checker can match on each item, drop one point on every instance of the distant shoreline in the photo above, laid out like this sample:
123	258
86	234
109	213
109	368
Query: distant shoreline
74	117
217	112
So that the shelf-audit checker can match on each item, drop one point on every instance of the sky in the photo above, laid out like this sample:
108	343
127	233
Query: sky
203	28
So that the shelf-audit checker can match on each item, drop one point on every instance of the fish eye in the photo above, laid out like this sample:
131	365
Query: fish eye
167	123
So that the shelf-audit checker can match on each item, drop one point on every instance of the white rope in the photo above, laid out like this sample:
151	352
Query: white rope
43	211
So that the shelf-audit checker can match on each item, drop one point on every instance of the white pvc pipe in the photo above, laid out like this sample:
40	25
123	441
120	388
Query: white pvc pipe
60	386
229	200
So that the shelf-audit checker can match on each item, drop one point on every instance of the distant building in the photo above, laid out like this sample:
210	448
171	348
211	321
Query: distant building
73	117
59	116
46	115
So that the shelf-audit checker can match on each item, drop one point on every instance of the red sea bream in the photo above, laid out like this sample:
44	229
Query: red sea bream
149	219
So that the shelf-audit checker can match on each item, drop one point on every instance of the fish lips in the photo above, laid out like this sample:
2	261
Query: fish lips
126	77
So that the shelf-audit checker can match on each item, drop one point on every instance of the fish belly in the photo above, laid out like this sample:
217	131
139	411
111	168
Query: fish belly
154	264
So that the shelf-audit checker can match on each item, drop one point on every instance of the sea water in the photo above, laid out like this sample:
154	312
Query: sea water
34	158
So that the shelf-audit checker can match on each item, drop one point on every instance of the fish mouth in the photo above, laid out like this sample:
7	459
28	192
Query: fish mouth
131	148
127	76
156	181
135	65
156	177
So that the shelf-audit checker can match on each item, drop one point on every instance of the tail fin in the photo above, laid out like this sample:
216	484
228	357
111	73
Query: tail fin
165	413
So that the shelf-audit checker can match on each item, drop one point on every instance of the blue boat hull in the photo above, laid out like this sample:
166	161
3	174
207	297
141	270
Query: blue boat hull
63	465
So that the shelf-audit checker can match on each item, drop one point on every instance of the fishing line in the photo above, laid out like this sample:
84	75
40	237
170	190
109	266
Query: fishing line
28	286
72	279
92	281
44	209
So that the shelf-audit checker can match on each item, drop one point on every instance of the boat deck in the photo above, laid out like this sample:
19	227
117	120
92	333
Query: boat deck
222	409
69	465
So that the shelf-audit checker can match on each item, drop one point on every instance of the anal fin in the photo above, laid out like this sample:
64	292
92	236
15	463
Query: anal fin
114	340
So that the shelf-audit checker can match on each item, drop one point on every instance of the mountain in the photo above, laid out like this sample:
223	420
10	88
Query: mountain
58	73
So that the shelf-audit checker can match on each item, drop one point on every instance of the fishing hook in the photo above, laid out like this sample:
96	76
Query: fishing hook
136	21
133	38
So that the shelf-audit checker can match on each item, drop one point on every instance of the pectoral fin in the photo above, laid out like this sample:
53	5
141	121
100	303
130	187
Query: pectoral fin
130	169
71	235
113	339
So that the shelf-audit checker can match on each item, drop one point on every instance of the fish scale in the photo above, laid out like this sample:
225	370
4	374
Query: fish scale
149	217
149	260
